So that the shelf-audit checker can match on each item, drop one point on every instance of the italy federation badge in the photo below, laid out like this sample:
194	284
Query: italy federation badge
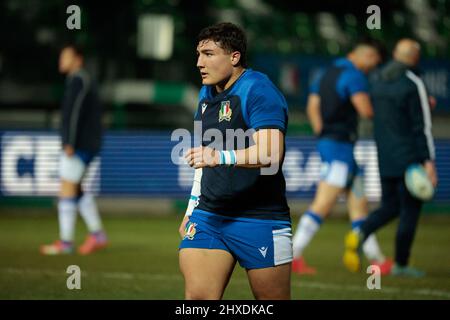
225	111
189	231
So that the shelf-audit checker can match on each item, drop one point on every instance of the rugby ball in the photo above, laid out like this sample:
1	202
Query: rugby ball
418	183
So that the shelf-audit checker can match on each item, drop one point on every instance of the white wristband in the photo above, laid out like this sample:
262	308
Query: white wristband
227	157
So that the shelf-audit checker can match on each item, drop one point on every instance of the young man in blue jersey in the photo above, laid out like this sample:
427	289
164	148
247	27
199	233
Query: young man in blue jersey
238	210
81	135
337	97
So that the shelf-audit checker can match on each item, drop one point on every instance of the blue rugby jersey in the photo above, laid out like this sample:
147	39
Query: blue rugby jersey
252	102
335	87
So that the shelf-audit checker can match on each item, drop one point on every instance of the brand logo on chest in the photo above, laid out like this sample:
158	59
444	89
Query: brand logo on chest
204	106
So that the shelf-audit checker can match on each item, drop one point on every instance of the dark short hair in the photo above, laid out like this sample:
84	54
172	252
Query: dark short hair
78	49
229	37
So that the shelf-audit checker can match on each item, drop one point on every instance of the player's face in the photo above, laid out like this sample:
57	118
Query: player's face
66	60
371	58
214	63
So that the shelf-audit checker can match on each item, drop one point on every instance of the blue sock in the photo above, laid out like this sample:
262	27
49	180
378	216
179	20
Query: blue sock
356	224
318	219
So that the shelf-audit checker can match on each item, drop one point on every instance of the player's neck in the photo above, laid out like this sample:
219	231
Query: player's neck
227	83
354	61
74	70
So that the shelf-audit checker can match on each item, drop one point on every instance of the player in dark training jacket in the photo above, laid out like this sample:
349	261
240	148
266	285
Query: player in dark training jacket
81	135
238	210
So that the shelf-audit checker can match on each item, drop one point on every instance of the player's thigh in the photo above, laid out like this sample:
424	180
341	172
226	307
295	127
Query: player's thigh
325	198
68	189
272	283
206	272
71	172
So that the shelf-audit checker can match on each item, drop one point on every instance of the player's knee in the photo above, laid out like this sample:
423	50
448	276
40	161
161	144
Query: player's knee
201	293
321	209
272	294
71	168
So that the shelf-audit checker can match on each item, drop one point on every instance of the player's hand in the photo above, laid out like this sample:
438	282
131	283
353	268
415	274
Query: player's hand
430	169
182	228
433	102
68	150
200	157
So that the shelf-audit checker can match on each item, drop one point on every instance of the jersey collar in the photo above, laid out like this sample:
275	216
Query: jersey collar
212	90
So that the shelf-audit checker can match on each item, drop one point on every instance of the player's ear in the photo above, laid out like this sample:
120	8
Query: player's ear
235	58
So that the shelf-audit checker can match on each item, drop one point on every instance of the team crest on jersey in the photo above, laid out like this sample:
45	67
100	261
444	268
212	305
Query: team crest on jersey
225	111
189	231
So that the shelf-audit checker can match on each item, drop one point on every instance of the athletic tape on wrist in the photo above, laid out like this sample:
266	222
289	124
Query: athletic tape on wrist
227	157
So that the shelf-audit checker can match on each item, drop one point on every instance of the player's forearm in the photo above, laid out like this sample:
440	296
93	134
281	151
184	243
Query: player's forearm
313	113
362	104
316	122
267	151
258	156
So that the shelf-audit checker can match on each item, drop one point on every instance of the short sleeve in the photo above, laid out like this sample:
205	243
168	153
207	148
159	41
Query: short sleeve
266	108
315	84
355	82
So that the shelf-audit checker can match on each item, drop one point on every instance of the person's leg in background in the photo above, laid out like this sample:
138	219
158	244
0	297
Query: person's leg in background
67	216
409	218
96	239
389	209
358	211
87	206
310	222
337	167
72	170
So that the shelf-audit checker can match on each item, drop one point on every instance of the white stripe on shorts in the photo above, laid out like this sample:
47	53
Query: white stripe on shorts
282	246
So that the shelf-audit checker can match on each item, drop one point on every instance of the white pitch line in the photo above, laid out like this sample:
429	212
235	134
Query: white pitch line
164	277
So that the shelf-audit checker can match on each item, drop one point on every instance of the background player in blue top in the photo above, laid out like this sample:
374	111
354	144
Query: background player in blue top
336	99
238	209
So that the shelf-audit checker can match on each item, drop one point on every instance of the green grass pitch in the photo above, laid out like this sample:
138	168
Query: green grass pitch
142	262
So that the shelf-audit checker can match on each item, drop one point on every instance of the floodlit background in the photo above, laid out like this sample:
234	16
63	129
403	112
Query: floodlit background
142	52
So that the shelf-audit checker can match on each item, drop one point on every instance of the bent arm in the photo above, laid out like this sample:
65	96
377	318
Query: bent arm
313	113
267	150
363	105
